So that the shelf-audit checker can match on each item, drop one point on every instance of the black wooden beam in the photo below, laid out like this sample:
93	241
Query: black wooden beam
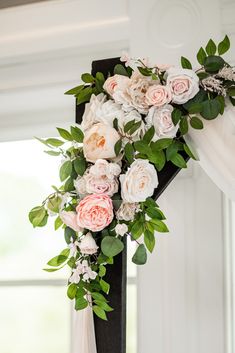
111	335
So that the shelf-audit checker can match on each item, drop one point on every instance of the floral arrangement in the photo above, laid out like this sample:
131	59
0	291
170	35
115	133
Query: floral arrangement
133	124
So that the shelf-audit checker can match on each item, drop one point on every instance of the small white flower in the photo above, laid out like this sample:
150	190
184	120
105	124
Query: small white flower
121	229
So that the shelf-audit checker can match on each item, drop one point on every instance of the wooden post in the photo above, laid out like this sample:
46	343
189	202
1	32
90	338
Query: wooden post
111	334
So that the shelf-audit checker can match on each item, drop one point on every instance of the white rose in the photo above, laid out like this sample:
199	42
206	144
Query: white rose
80	185
127	211
88	245
70	219
104	168
99	142
121	229
183	83
161	119
89	117
139	181
108	111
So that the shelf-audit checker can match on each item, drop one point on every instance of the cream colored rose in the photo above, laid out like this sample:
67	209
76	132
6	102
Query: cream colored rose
88	245
99	142
161	119
89	117
110	84
108	111
158	95
127	211
121	229
183	83
101	185
104	168
139	181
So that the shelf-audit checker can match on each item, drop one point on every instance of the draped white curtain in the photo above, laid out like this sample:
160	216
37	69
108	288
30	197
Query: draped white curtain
215	147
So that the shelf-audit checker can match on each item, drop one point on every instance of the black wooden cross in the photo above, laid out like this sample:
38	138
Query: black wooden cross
111	334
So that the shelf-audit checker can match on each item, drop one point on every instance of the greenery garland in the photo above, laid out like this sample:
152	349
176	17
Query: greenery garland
134	123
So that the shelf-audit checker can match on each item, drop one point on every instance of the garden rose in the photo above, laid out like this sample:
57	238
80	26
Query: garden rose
127	211
99	142
89	117
161	119
111	84
103	167
70	219
88	245
108	111
101	184
95	212
139	181
183	83
158	95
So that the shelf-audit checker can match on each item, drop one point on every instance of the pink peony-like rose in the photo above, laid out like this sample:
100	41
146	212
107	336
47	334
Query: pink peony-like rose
99	142
114	83
183	83
95	212
158	95
101	185
70	219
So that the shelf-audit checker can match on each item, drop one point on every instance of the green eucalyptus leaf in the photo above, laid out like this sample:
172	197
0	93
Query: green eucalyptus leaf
210	109
213	63
111	246
140	256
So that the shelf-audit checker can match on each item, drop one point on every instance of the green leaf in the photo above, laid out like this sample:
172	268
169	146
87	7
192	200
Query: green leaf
137	229
65	134
176	116
69	234
149	135
102	270
142	147
195	108
231	91
87	78
159	226
185	63
201	56
104	286
65	170
135	127
98	296
100	77
80	165
224	46
155	213
58	223
149	202
189	152
57	260
71	291
210	109
77	134
140	256
52	153
221	100
53	203
80	303
69	184
111	246
145	71
99	312
115	124
178	160
184	125
149	240
74	91
129	152
211	47
162	144
103	305
84	95
37	215
54	142
117	147
196	123
232	100
171	151
120	70
128	125
158	158
213	63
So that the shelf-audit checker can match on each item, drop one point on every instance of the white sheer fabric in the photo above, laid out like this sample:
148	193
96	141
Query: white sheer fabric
215	147
83	332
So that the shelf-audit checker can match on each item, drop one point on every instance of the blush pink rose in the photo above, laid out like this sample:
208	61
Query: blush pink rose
158	95
110	85
95	212
101	184
70	219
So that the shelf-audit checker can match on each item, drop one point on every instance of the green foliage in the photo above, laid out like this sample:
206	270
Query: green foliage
69	234
176	116
80	303
196	123
185	63
129	152
213	63
87	78
224	46
184	125
149	240
71	291
80	165
54	202
65	134
60	259
178	160
99	312
77	134
149	134
65	170
38	216
118	147
210	109
84	95
111	246
140	256
119	69
211	47
75	91
201	56
189	152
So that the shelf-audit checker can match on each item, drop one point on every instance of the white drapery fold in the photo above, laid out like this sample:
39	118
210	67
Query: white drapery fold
215	147
83	331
